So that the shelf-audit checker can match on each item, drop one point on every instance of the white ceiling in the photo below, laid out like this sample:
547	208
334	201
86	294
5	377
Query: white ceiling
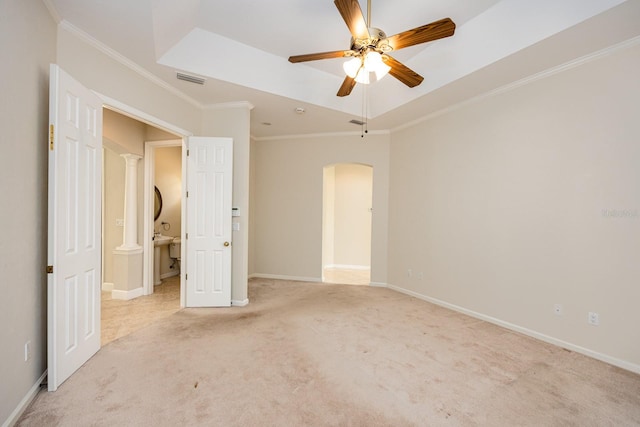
241	47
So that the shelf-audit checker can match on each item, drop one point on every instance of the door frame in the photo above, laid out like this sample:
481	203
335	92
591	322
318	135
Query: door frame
141	116
147	235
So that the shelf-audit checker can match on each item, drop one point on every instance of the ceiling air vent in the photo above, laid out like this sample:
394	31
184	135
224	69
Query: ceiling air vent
188	78
357	122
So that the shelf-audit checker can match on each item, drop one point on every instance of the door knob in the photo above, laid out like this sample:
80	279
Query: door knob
227	243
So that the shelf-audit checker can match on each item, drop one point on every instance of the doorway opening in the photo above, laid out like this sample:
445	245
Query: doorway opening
124	312
164	213
346	223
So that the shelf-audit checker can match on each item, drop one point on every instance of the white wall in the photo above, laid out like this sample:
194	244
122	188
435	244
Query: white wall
27	47
289	197
505	206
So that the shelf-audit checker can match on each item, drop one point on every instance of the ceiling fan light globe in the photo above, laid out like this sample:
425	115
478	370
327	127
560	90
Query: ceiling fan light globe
363	76
352	66
372	61
382	70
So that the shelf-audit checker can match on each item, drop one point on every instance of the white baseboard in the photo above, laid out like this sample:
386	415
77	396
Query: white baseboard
281	277
302	279
106	286
237	303
24	403
169	274
127	295
348	267
542	337
378	285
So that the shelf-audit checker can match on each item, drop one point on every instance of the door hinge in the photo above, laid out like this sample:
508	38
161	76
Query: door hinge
49	269
186	236
187	194
51	132
187	152
186	276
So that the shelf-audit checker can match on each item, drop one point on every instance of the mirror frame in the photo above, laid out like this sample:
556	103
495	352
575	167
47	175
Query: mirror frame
157	206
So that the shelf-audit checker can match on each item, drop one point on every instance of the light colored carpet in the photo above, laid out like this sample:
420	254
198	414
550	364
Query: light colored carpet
305	354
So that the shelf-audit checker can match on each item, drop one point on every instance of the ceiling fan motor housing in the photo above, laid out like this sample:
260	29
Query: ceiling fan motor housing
377	41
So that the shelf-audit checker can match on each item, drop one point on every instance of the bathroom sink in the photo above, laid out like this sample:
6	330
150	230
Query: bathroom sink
161	240
158	241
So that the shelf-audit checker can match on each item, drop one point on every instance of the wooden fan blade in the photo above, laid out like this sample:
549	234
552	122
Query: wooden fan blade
353	17
401	72
347	86
321	55
434	31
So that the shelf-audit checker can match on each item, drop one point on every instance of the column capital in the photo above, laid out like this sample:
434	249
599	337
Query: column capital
129	156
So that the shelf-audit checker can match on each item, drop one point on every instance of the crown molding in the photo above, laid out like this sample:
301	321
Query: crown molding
318	135
121	59
52	11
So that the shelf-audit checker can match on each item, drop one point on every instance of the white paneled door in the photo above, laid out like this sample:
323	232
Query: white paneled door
74	245
208	233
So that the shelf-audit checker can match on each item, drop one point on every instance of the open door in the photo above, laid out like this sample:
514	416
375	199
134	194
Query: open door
74	245
208	233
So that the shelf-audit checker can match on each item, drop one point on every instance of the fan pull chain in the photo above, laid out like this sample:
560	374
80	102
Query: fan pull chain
364	127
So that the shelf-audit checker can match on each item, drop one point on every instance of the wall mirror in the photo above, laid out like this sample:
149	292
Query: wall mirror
157	206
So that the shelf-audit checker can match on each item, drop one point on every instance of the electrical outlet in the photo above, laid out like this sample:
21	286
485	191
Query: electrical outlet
594	318
420	276
119	222
557	309
27	351
409	273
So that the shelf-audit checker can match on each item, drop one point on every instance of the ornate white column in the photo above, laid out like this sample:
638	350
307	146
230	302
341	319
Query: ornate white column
127	258
130	232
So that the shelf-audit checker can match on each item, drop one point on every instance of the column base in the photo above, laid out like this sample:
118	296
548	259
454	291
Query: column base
127	274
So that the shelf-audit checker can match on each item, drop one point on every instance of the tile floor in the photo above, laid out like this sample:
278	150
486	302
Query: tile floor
347	277
120	318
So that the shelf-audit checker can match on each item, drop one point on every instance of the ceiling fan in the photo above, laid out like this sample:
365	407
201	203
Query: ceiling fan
370	47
